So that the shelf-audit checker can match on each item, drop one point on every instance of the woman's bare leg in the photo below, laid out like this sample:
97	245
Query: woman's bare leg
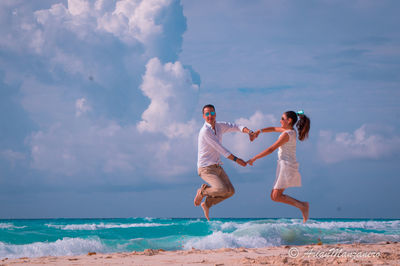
278	196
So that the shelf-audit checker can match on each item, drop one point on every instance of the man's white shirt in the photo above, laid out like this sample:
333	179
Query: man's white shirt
210	143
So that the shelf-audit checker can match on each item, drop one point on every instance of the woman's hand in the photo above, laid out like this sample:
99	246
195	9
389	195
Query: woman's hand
251	161
253	134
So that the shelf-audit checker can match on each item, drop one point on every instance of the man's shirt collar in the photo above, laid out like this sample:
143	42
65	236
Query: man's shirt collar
207	124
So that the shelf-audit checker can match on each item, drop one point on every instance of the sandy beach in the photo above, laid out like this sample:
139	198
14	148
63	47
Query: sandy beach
387	253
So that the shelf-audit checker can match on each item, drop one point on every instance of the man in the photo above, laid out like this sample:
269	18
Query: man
210	148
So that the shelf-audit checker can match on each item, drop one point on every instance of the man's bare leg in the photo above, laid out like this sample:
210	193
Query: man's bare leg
277	195
206	210
198	198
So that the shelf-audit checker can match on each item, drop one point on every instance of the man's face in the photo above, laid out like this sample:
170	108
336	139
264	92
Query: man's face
209	115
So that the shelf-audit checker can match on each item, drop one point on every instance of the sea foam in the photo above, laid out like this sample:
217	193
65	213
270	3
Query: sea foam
56	237
62	247
101	226
225	240
259	233
10	226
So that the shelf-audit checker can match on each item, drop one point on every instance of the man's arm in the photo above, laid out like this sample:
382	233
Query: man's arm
236	159
231	127
213	141
247	131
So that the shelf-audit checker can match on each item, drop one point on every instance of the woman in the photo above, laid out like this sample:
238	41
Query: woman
287	173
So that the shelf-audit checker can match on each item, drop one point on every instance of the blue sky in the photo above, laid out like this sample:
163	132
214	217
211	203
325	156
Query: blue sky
101	104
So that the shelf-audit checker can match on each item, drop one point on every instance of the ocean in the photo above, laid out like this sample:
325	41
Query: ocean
60	237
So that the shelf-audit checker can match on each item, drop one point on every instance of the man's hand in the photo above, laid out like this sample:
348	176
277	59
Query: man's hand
241	162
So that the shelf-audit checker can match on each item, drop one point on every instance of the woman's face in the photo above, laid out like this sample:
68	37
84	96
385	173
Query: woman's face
285	121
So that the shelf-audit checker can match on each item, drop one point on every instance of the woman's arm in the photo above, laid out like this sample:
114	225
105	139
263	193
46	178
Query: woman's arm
281	140
272	129
268	129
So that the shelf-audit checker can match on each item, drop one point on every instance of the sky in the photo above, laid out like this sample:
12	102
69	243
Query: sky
100	105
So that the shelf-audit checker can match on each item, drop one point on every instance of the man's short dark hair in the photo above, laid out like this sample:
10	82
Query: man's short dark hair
208	105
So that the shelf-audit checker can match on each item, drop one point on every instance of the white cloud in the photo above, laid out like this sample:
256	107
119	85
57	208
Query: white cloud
85	148
100	39
134	20
240	144
257	120
81	107
129	20
71	144
37	41
173	97
71	63
78	7
46	104
18	29
364	143
96	147
85	68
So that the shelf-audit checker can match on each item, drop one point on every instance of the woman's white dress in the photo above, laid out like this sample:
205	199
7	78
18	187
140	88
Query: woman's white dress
287	172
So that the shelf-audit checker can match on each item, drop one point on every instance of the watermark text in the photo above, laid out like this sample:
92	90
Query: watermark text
332	253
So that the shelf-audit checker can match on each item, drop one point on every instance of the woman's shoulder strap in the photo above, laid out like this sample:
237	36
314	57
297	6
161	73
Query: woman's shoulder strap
290	132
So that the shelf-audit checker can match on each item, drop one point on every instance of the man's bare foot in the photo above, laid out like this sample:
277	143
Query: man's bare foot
198	198
304	211
206	210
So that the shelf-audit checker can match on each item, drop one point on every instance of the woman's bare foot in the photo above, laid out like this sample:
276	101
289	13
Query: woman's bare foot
198	198
206	210
304	211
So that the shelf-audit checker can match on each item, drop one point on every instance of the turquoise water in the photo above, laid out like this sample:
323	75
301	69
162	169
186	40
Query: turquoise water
57	237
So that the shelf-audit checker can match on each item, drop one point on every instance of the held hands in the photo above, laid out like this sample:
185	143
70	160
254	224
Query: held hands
251	161
253	135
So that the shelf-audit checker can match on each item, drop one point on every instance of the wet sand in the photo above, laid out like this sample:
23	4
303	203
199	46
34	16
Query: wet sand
386	253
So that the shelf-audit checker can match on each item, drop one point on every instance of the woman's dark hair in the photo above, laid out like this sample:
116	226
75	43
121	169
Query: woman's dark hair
208	105
303	125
